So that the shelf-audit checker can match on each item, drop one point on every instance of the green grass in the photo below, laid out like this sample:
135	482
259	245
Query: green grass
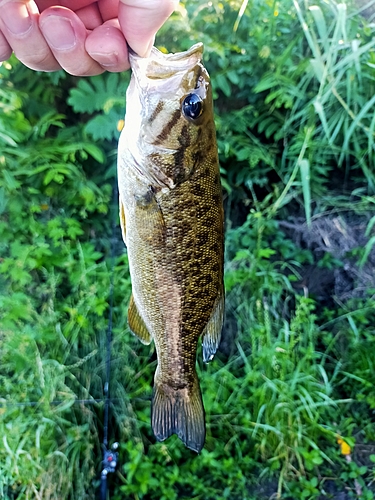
293	86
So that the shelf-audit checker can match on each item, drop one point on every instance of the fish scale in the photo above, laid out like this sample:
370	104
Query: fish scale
171	214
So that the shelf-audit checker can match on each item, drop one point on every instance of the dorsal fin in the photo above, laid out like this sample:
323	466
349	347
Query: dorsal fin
136	323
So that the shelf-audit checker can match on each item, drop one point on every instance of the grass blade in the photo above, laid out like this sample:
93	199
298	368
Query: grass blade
305	179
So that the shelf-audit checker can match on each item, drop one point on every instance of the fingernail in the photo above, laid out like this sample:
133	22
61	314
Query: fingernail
16	18
59	32
105	60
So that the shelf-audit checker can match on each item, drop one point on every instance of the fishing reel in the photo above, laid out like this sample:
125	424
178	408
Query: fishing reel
110	462
110	459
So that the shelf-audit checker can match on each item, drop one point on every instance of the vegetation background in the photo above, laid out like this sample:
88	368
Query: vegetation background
289	398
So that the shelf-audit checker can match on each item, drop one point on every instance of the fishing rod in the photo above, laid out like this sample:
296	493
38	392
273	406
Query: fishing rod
110	456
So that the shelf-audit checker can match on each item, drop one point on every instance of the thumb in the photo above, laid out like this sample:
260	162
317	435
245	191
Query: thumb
141	19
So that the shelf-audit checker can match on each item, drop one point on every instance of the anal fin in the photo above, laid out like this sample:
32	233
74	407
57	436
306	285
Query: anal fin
212	332
136	323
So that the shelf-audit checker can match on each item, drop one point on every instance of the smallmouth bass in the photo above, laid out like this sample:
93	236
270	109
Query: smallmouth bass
172	220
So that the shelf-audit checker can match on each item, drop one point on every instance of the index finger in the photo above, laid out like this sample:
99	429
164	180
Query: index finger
141	19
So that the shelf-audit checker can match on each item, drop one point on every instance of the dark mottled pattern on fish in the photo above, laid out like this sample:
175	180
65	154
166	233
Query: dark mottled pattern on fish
199	240
168	127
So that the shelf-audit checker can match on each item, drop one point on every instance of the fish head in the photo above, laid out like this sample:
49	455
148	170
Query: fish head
168	113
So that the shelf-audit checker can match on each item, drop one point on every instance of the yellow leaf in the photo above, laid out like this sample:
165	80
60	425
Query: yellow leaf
120	125
344	447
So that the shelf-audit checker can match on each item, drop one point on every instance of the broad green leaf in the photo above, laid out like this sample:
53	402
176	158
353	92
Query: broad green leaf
104	126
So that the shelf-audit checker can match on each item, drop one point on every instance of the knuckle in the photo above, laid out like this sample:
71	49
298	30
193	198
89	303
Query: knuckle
43	61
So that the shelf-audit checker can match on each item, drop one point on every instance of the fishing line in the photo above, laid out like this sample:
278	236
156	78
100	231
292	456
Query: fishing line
56	403
10	404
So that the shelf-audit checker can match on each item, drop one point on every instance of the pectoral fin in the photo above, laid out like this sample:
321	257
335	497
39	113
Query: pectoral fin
151	225
136	323
212	332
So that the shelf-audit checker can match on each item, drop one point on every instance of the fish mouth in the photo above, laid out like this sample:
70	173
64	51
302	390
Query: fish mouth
195	50
159	65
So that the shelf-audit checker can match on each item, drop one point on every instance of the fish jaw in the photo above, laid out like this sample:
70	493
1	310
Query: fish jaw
163	73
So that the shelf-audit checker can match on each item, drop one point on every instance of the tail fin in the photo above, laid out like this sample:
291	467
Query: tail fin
181	412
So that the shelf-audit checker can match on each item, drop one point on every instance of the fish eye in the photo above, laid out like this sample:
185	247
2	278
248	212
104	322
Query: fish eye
192	107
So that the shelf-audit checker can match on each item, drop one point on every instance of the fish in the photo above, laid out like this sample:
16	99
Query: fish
172	220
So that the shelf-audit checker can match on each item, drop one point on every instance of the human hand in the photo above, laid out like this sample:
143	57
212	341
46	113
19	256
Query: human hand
83	37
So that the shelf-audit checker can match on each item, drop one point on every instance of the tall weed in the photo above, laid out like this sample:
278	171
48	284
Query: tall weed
293	375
